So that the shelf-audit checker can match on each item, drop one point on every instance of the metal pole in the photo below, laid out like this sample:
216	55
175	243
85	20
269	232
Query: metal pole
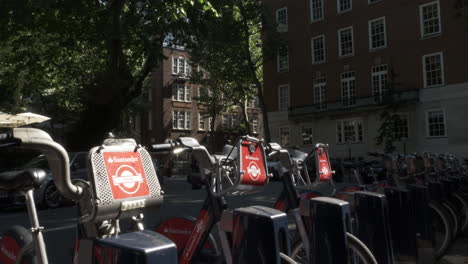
36	230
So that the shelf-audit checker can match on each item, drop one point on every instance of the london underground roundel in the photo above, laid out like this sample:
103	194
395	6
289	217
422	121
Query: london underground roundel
252	164
126	175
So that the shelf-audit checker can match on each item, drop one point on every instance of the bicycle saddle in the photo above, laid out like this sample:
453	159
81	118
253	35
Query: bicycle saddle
22	180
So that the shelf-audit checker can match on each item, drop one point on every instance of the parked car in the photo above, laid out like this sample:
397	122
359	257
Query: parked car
47	195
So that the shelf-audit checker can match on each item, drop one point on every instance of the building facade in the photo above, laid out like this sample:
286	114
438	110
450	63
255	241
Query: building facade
345	62
174	109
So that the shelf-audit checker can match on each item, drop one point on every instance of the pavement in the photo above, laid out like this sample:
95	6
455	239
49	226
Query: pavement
179	200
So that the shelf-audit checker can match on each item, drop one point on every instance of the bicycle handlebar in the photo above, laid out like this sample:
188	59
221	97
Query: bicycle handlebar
57	156
164	147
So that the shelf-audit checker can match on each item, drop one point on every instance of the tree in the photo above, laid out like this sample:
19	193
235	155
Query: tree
389	116
229	48
91	56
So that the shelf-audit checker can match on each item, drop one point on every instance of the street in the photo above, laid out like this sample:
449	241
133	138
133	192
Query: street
179	200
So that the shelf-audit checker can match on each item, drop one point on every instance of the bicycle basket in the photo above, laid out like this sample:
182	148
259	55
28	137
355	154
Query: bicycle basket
123	182
243	170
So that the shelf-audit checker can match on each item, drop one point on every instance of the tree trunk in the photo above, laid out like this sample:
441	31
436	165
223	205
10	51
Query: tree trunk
256	81
245	117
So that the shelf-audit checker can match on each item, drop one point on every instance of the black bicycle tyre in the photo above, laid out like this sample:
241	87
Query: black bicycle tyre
453	215
463	210
354	244
24	240
439	211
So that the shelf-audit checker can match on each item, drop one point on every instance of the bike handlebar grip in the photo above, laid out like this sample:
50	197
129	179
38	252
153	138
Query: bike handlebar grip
57	156
162	147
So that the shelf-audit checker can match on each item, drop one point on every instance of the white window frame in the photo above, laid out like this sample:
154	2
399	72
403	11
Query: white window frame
182	117
255	125
380	75
320	102
312	11
384	32
278	58
421	22
428	134
282	27
340	41
201	122
406	116
181	93
175	64
280	106
280	136
441	68
311	135
356	130
338	7
210	121
351	98
314	59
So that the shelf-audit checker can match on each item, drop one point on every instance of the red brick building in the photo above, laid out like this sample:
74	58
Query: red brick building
174	108
343	57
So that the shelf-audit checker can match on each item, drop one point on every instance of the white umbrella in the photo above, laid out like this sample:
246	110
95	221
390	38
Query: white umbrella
22	119
6	122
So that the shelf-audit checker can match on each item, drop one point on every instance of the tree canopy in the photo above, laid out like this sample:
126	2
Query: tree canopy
84	59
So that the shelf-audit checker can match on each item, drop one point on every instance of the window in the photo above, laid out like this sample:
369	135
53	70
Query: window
350	130
316	10
344	5
181	64
284	136
175	63
188	96
348	89
150	120
201	121
229	120
429	15
318	49
181	93
401	127
282	19
182	120
210	123
307	138
435	120
377	33
433	69
345	40
319	93
379	82
255	125
283	97
283	59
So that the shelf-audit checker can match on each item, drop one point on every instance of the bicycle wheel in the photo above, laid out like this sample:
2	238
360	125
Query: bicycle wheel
358	251
453	216
462	207
441	228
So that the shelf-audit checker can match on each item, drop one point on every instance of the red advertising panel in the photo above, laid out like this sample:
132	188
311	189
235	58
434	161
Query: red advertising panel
323	165
126	175
252	164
